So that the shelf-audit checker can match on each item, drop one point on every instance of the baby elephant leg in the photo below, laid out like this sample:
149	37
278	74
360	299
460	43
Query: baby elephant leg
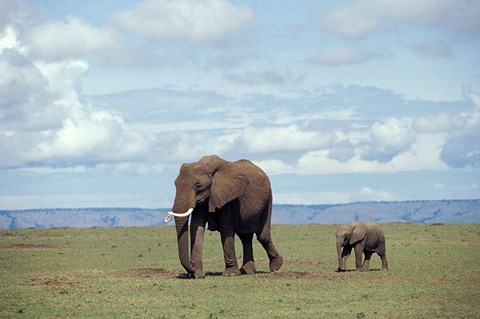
384	262
366	262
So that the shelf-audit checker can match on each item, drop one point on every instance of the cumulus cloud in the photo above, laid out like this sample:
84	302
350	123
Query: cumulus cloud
71	38
460	132
17	13
361	18
284	139
443	122
91	136
462	148
387	139
22	89
207	22
342	152
273	166
43	121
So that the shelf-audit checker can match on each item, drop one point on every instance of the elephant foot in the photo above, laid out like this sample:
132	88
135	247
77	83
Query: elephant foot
196	275
231	271
276	263
248	268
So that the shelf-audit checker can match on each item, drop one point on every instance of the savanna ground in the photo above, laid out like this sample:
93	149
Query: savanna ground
135	273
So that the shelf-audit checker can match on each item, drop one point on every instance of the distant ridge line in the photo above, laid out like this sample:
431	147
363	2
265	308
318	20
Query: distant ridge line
416	211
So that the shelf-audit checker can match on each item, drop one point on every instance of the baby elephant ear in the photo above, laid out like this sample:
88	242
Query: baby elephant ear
228	183
358	233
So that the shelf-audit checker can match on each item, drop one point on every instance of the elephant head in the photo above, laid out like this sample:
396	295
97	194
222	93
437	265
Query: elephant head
209	183
348	234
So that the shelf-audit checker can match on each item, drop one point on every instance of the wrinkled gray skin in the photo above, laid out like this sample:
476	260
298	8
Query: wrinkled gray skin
233	198
366	238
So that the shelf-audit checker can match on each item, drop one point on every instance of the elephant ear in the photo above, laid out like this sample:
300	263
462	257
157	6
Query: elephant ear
228	182
358	233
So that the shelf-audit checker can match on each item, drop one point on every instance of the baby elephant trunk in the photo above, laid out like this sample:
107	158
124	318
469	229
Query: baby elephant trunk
341	266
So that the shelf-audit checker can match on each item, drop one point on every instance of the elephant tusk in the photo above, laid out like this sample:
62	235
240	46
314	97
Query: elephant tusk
170	214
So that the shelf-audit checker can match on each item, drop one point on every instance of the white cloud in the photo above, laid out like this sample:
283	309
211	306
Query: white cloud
342	152
274	166
207	22
188	146
368	194
423	154
17	13
387	139
319	162
284	139
311	198
43	121
93	136
443	122
22	89
461	132
462	149
72	38
363	17
9	39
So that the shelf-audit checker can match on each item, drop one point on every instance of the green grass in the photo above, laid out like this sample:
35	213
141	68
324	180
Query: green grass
133	273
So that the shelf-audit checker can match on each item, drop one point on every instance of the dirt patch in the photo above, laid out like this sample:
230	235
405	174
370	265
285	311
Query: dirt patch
51	281
306	261
7	235
25	247
62	284
148	272
294	274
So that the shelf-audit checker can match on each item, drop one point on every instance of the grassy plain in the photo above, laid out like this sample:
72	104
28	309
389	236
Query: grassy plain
134	273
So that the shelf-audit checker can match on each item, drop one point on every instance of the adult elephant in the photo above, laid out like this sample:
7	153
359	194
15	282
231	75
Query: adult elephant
233	198
366	238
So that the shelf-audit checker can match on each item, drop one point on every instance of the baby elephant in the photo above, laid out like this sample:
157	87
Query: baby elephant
365	237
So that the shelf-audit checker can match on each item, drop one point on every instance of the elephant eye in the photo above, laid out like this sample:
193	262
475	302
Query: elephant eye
198	186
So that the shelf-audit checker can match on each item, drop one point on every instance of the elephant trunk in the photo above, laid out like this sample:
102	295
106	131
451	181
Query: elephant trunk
341	267
181	224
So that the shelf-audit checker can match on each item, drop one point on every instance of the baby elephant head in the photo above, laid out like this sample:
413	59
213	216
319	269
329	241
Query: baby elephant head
349	234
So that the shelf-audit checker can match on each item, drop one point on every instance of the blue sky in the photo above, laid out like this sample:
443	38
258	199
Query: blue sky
338	101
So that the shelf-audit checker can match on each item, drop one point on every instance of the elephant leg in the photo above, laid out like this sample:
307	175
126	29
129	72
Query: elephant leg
345	253
197	231
383	255
384	262
366	262
248	266
228	244
276	261
358	257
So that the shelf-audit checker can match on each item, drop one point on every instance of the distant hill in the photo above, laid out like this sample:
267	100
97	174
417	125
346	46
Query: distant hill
437	211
